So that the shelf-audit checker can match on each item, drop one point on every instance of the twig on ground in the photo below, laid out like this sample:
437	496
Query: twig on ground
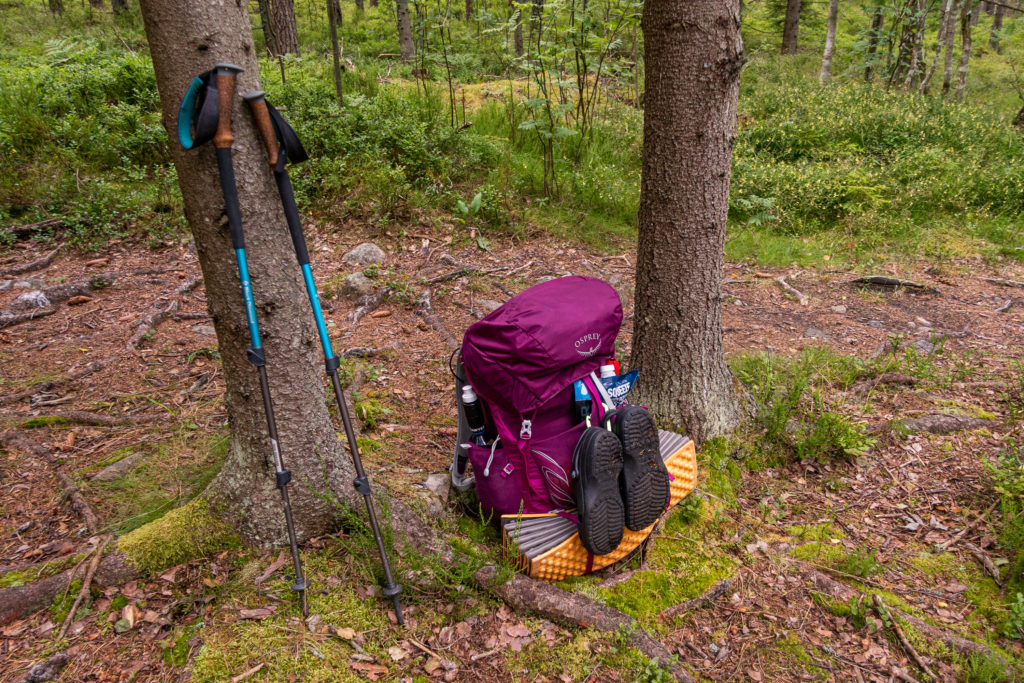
1003	282
868	386
368	304
883	613
36	264
86	583
792	291
985	562
883	281
1005	307
463	270
251	672
949	544
8	319
709	596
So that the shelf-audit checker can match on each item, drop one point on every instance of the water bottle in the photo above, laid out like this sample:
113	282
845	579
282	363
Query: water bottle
608	370
581	400
474	415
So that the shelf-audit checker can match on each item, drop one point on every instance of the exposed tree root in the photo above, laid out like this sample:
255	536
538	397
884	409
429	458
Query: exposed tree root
157	314
941	423
46	386
524	594
369	304
8	319
961	646
425	310
78	502
62	292
37	264
883	281
866	387
80	417
883	612
1004	283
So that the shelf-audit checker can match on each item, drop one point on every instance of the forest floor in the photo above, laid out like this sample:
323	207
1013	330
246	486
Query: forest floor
914	521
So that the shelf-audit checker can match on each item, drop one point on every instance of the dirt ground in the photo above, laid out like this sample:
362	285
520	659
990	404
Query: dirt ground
161	402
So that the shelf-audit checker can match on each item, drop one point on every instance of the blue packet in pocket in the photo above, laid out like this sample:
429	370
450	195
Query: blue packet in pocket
619	385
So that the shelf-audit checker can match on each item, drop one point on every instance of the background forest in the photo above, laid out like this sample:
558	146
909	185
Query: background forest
868	524
864	168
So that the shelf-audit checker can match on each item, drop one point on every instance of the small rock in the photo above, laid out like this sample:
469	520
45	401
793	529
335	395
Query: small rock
877	324
204	330
840	309
488	305
357	285
365	254
29	284
122	626
851	340
78	300
814	333
33	299
438	484
48	670
921	321
118	469
924	346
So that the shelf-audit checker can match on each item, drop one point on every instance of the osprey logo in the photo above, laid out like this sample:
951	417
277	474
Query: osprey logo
559	488
588	344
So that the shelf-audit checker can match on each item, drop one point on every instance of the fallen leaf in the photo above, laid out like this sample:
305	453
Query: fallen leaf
397	653
345	633
257	613
517	631
754	675
371	671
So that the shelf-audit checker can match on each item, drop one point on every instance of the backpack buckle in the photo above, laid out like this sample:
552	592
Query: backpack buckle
526	430
507	470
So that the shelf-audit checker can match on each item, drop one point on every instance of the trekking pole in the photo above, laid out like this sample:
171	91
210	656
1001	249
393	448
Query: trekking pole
224	76
270	125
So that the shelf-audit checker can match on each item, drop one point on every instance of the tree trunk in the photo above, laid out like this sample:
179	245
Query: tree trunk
693	55
96	4
947	70
56	7
997	27
267	24
877	22
119	6
182	45
791	29
965	49
917	47
286	33
469	9
359	5
830	42
405	40
536	16
517	33
334	21
373	3
945	25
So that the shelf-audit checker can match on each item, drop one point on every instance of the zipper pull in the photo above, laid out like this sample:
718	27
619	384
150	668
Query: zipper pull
526	430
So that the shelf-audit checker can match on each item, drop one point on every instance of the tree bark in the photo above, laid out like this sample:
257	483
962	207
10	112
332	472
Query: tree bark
183	44
791	28
877	21
997	27
96	4
693	56
948	39
286	33
373	3
916	47
359	5
517	33
267	24
405	40
119	6
469	9
965	49
334	21
56	7
945	25
830	42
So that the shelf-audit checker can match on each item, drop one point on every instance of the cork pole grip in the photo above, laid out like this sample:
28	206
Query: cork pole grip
226	96
266	128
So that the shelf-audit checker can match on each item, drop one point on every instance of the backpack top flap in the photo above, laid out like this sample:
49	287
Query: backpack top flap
541	340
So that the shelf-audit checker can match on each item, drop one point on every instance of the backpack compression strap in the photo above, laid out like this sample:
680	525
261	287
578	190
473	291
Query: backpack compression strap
199	111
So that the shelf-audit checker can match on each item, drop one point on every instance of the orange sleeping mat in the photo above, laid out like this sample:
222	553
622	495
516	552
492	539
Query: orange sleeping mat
547	546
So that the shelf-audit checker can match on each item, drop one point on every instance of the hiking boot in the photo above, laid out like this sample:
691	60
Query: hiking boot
596	466
644	484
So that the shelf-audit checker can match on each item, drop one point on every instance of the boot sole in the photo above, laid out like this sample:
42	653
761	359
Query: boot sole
645	484
596	465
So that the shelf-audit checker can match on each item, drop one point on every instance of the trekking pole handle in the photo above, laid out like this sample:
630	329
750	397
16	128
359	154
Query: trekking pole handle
258	106
225	74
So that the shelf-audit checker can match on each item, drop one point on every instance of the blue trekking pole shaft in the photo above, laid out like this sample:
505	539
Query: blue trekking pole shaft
277	158
225	77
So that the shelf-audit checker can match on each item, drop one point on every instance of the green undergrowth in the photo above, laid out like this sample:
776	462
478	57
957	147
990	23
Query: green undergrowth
190	531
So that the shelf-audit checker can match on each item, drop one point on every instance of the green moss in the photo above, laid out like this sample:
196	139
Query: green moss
191	531
24	576
789	653
44	421
63	602
933	647
815	532
820	553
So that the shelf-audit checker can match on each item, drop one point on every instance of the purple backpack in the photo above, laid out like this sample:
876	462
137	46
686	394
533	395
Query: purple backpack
522	360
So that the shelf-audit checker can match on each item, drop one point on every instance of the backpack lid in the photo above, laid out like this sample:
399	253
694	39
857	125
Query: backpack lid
540	341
